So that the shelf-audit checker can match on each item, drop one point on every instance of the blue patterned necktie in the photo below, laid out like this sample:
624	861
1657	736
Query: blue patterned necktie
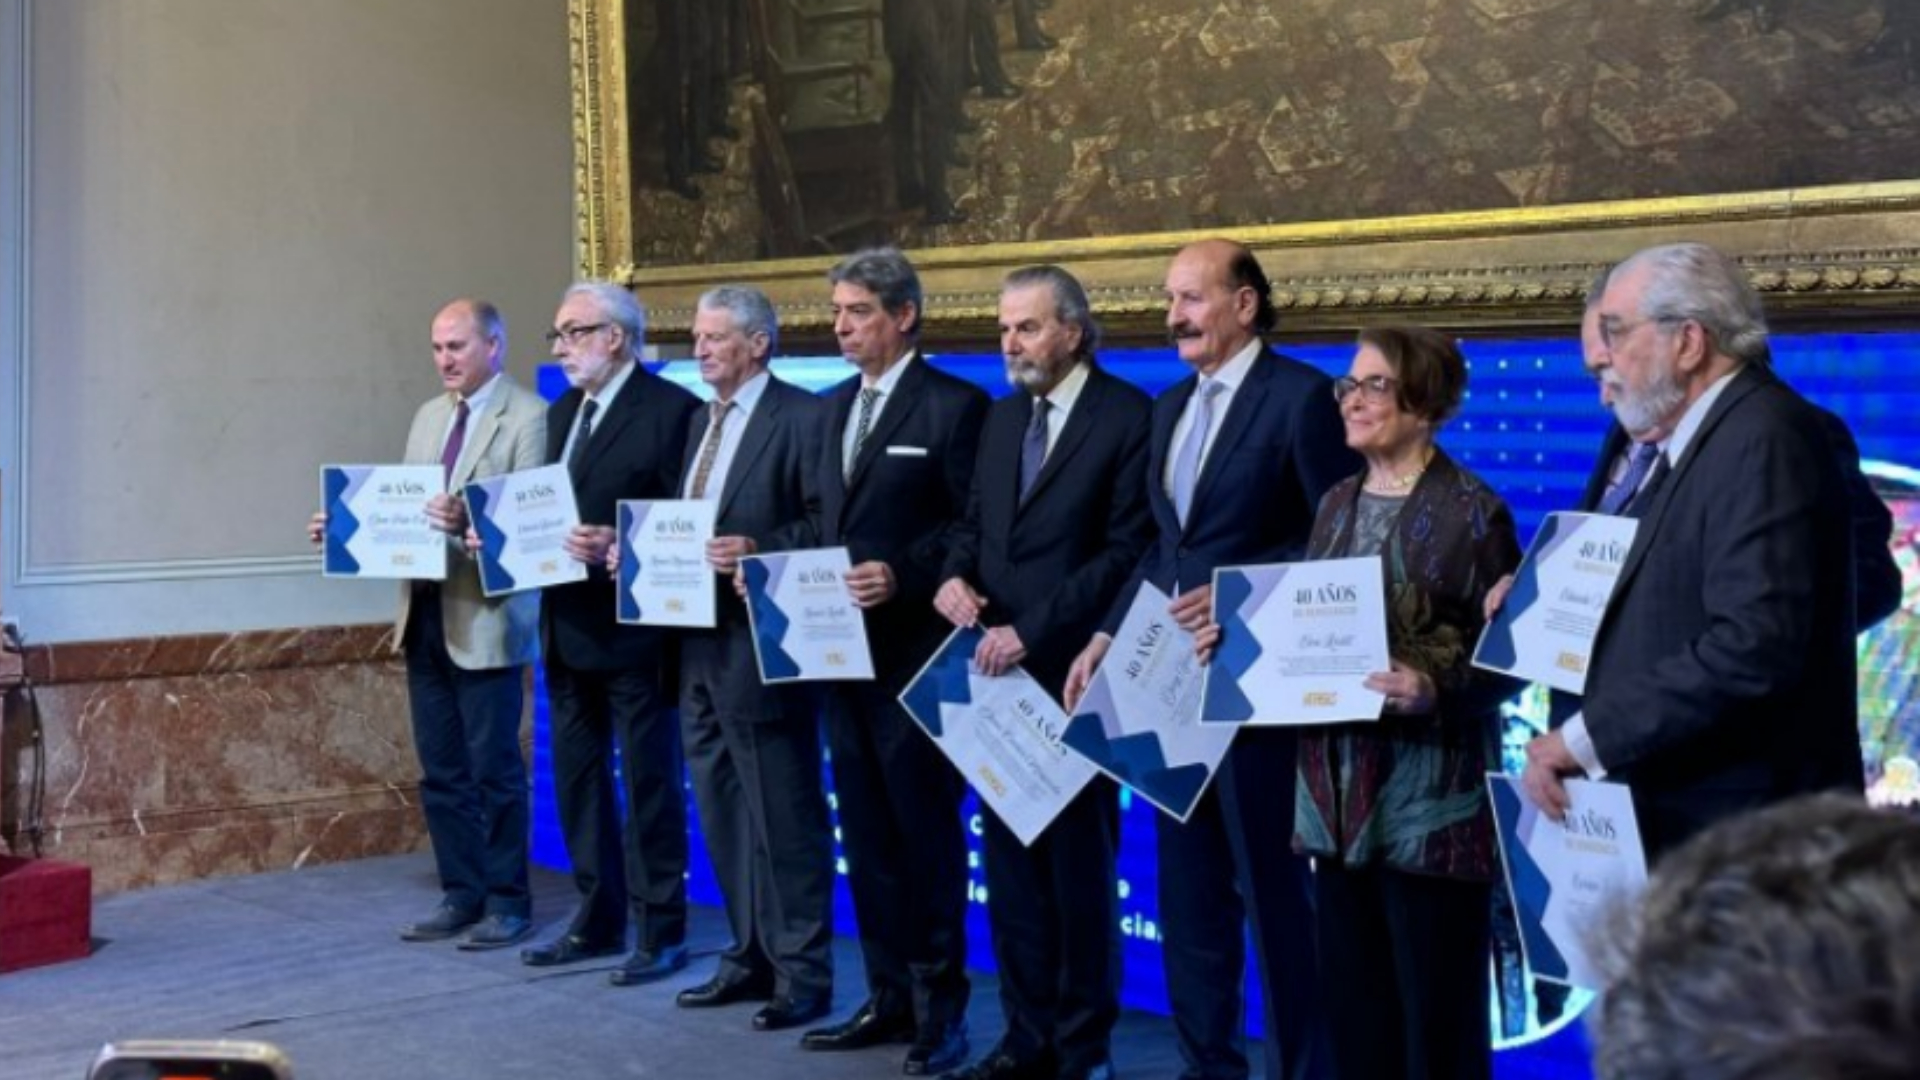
868	398
1033	448
1621	491
1186	467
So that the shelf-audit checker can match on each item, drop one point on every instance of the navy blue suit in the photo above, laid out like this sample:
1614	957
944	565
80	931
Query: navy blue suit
1280	446
1049	566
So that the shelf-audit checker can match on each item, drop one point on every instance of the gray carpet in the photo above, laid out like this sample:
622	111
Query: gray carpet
309	961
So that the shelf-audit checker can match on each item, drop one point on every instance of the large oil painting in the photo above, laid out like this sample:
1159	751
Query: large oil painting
776	133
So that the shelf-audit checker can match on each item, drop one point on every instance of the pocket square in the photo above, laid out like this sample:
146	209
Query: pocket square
906	451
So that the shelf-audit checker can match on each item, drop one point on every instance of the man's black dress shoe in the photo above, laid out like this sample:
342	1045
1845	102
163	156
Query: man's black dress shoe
567	950
721	990
868	1026
1038	42
497	932
937	1049
649	965
1002	1064
790	1012
1102	1071
445	922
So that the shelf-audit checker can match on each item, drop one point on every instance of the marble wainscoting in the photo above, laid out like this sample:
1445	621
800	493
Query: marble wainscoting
177	758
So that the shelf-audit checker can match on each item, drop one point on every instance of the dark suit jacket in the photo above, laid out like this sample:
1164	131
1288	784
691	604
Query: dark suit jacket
1723	674
1281	446
908	490
633	453
771	494
1877	583
1051	565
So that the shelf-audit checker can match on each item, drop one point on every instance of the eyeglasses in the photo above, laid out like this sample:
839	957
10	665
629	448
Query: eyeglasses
573	334
1373	387
1613	331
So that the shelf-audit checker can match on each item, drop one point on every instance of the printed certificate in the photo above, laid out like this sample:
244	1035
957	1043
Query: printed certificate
377	523
665	579
1140	719
523	518
805	626
1002	733
1545	630
1298	642
1566	876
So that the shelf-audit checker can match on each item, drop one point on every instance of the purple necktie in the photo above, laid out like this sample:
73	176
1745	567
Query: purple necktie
1622	491
456	440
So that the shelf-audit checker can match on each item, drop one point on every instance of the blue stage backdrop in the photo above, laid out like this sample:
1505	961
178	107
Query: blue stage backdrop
1530	426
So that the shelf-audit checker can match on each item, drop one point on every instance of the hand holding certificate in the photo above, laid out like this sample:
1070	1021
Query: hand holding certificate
1298	641
1545	630
805	626
1002	732
377	524
1139	720
665	579
1565	875
523	519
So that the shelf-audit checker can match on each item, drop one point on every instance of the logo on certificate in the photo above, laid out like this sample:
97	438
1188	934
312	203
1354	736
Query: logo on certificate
1573	662
1320	699
836	659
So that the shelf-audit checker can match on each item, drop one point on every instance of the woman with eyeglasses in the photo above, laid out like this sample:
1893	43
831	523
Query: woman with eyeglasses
1395	812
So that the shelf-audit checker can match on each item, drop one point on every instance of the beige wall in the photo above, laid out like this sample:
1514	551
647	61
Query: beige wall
224	227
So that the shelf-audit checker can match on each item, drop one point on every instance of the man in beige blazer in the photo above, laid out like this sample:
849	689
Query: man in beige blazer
466	654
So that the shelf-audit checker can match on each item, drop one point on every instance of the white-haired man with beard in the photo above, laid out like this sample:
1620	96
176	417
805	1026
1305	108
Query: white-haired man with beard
1723	675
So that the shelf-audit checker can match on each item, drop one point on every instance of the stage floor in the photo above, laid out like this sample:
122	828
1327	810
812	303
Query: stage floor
309	960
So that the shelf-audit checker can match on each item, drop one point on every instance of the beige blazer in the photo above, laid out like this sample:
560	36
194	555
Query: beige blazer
510	434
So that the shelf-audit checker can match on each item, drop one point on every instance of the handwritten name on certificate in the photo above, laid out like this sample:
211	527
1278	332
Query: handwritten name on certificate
1297	643
377	523
805	626
1140	719
523	518
1566	876
665	579
1003	734
1545	630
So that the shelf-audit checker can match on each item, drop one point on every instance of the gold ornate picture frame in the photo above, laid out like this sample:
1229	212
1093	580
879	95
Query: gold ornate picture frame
1818	253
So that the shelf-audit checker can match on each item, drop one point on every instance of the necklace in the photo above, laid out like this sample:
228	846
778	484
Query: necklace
1393	485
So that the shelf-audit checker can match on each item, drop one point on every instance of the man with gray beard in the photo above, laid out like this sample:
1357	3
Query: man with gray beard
1723	675
1055	523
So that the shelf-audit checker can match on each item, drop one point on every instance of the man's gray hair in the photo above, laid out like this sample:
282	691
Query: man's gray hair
618	306
887	274
1692	282
1070	304
1776	945
752	313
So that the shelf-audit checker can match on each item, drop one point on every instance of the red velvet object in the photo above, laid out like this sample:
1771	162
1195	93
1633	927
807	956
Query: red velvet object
46	912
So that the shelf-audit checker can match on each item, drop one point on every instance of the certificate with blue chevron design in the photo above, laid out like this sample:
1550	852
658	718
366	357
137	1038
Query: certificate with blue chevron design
1297	642
1139	721
1546	629
805	625
523	520
1565	876
377	523
1002	732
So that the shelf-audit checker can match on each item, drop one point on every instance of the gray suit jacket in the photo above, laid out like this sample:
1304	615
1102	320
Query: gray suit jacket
508	435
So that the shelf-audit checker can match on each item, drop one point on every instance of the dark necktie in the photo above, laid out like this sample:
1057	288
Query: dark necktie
709	448
582	431
1641	502
1621	491
869	397
1033	448
456	441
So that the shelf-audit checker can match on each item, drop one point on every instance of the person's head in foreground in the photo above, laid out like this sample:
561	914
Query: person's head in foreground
1780	944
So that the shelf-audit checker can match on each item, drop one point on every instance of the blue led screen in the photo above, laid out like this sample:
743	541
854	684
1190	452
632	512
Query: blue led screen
1530	426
